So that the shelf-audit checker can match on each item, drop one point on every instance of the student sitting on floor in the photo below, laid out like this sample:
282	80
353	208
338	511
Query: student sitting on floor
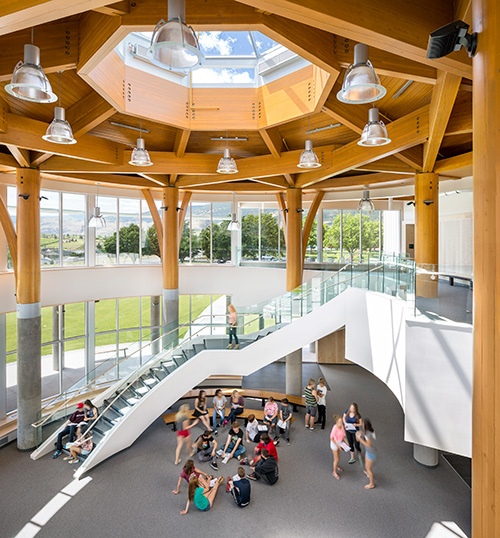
187	472
204	451
252	429
239	487
234	445
203	498
266	469
265	443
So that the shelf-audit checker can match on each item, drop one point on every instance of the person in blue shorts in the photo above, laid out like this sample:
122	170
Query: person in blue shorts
367	439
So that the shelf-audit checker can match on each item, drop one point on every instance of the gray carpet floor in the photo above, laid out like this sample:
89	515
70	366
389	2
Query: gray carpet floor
130	494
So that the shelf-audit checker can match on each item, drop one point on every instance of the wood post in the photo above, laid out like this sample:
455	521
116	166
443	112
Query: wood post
294	239
486	172
427	232
170	259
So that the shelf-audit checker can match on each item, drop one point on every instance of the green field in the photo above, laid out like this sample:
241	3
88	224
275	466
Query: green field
130	310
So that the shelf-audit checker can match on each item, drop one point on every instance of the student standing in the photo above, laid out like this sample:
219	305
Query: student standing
285	421
187	472
219	402
232	319
234	445
237	405
240	489
337	436
321	389
203	498
352	423
252	429
311	397
368	441
182	425
200	409
204	451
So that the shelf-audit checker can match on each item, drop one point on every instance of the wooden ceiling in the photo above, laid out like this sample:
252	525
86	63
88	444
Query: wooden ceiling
427	107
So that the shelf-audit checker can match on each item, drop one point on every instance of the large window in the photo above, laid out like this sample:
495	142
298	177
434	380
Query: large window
106	241
262	236
129	230
50	227
73	229
201	232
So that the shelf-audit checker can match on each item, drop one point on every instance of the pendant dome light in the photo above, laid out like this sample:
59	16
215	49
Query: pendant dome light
234	225
174	44
375	132
227	165
59	131
28	80
365	204
308	158
140	155
97	220
361	83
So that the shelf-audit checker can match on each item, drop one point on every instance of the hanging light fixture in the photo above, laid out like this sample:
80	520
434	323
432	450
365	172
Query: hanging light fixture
174	44
97	220
365	204
375	132
361	83
140	155
59	131
227	165
308	158
234	225
28	80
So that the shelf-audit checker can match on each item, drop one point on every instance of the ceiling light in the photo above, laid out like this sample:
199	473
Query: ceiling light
308	158
375	132
227	165
29	81
365	204
59	131
450	38
140	155
174	44
361	83
97	220
234	225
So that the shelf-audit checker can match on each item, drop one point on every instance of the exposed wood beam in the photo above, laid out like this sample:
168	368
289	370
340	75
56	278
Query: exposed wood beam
311	215
88	113
220	15
237	186
412	156
26	133
10	232
375	26
112	179
39	157
172	179
159	179
280	196
181	142
185	182
156	217
4	110
453	163
389	164
461	116
443	98
405	132
58	44
18	14
463	11
290	179
119	8
273	141
363	179
22	156
183	211
7	162
274	181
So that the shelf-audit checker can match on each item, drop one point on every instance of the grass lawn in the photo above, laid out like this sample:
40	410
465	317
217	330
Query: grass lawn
105	320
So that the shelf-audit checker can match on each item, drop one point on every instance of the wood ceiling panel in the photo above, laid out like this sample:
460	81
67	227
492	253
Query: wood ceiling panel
294	132
161	137
456	145
199	142
414	97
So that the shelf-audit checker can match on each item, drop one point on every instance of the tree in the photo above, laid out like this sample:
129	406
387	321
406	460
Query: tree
350	233
250	237
184	244
151	246
128	242
269	229
369	234
220	242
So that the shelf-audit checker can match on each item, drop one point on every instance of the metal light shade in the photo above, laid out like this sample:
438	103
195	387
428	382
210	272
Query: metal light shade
29	81
361	83
308	158
97	220
227	165
174	46
365	204
59	131
234	225
375	132
140	155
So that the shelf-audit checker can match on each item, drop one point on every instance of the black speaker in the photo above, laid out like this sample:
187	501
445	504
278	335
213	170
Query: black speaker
450	38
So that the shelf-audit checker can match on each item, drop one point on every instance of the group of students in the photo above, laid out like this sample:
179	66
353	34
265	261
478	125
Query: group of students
76	428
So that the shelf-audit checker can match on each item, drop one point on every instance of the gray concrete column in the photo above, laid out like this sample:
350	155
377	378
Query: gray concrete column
29	374
429	457
294	373
155	311
90	341
170	315
3	367
56	337
312	347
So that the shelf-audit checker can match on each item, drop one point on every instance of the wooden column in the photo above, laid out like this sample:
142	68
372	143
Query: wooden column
29	337
294	239
486	172
427	232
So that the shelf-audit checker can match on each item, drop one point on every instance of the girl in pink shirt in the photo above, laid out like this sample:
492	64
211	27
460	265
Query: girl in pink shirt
336	437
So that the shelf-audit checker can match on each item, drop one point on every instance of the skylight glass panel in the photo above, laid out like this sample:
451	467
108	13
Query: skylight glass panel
223	75
263	43
226	44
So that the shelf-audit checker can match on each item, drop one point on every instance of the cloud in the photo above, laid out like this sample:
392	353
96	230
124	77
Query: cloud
212	42
206	75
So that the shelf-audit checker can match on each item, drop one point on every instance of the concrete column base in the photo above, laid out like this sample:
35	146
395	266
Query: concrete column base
429	457
294	373
155	313
29	375
170	315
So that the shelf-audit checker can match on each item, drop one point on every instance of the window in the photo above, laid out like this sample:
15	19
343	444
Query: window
49	227
73	232
312	243
12	209
332	238
221	236
106	240
250	233
370	236
150	248
271	236
201	232
129	230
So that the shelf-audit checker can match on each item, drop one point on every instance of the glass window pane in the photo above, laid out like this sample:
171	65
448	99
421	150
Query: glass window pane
105	315
150	246
370	236
221	236
200	232
263	43
12	209
50	377
47	324
249	233
74	361
129	234
11	333
128	312
220	43
106	237
269	231
312	243
331	235
146	311
74	320
224	75
73	241
184	249
49	228
105	349
350	236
